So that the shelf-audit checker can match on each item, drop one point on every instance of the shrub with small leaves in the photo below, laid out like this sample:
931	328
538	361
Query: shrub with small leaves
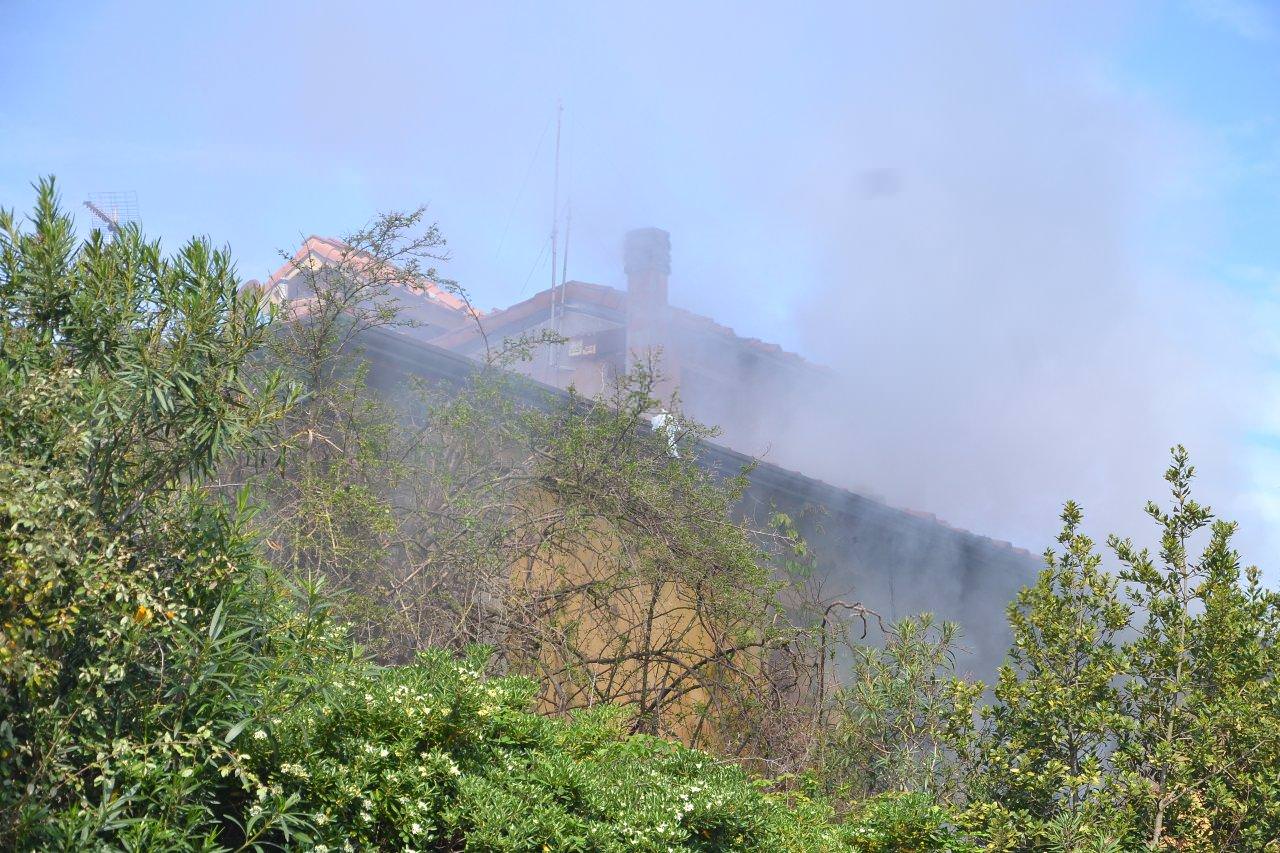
905	821
433	755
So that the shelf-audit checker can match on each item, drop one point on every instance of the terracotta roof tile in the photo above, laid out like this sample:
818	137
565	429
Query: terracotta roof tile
335	251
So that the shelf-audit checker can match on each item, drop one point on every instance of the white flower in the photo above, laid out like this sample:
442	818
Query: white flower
260	735
416	829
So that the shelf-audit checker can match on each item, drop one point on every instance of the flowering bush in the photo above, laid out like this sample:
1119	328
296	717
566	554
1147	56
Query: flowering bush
432	755
129	630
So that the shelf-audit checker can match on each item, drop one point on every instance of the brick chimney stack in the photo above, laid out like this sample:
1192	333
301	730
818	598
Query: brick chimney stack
647	263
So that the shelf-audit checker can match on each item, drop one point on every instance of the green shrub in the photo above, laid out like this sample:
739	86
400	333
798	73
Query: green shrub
129	629
433	755
904	821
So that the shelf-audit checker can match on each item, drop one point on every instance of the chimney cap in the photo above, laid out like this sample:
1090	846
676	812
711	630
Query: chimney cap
647	250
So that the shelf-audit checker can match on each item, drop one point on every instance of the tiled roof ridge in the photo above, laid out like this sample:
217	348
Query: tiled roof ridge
334	250
515	311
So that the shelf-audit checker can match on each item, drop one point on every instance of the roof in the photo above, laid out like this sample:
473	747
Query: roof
404	353
524	313
611	300
331	251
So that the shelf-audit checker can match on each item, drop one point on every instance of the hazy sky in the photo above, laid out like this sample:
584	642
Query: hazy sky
1043	241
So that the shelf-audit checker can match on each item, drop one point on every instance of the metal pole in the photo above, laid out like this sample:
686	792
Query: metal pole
555	233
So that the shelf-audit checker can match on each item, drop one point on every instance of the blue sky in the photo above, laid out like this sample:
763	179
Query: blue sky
1044	239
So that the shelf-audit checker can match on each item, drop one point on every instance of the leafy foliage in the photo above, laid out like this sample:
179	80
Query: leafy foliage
1057	710
121	384
894	722
161	688
1201	762
899	821
1139	709
433	755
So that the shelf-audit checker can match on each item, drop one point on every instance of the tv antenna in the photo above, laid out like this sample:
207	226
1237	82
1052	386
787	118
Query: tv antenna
113	210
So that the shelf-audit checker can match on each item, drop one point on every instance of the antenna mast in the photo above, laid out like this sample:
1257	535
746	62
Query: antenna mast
555	234
568	225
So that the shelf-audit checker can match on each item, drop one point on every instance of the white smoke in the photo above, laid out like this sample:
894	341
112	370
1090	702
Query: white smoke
1008	337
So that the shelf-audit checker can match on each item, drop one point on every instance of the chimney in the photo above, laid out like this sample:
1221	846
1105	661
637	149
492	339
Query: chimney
647	263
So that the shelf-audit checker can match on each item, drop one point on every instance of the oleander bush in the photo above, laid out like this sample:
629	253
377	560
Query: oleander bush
129	630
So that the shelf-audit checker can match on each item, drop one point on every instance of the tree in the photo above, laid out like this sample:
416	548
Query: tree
1057	708
639	586
394	496
1141	708
1201	763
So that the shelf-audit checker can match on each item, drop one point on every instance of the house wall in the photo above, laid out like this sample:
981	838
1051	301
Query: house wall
624	647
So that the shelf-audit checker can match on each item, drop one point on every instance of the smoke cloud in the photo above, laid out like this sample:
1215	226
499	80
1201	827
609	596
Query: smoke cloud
979	215
987	288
